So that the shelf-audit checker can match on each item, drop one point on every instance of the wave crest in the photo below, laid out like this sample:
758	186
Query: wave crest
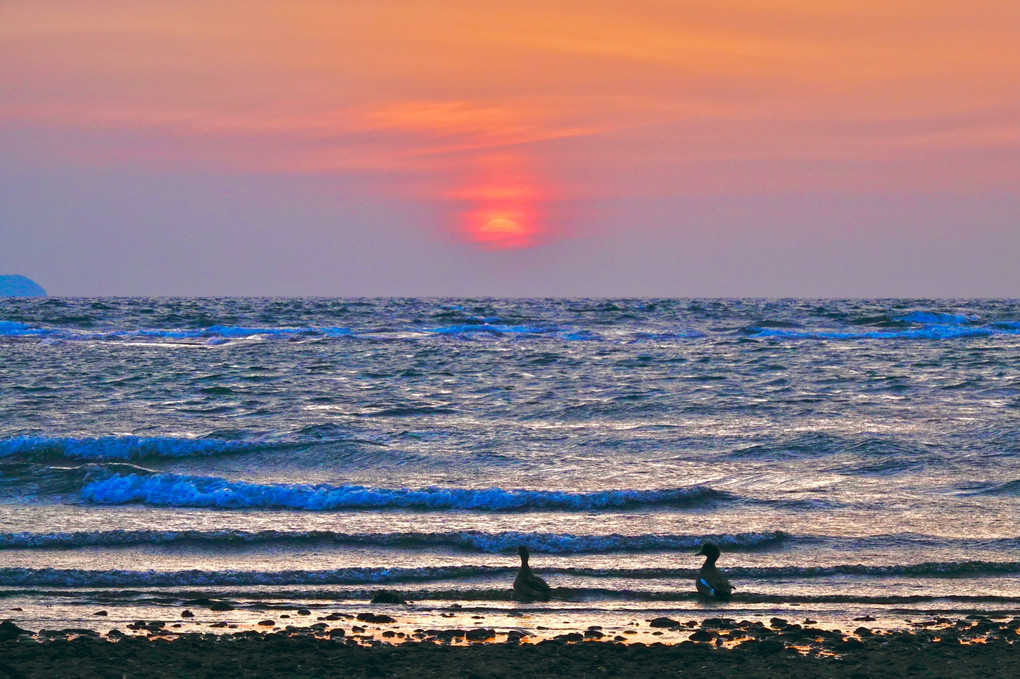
117	447
203	491
480	541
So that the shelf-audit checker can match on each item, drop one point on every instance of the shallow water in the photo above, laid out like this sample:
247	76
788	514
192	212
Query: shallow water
850	457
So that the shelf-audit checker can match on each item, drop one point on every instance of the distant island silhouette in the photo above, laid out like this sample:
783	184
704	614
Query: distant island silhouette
20	286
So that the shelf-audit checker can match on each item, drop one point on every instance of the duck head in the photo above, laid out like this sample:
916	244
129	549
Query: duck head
709	550
523	551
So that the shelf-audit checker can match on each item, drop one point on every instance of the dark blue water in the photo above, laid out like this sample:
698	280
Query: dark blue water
846	455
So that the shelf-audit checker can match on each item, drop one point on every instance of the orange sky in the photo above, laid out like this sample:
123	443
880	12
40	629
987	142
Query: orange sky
432	100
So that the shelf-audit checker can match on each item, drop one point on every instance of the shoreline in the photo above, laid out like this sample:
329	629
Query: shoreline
964	647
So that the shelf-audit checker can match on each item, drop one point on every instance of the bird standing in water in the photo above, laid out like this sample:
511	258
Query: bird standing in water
710	582
527	585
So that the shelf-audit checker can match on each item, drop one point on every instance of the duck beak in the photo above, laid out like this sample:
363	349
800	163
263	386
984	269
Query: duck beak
700	552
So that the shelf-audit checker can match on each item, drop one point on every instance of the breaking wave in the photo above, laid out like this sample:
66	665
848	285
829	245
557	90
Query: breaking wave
203	491
118	447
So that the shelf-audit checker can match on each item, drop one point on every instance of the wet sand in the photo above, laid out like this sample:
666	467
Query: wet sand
714	647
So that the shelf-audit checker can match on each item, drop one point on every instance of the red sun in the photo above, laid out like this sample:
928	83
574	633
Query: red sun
500	230
505	219
505	205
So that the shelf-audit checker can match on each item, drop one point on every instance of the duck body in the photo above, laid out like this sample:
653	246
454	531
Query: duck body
527	585
711	583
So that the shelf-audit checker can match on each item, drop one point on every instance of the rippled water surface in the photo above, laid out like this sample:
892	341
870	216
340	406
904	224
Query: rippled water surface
846	455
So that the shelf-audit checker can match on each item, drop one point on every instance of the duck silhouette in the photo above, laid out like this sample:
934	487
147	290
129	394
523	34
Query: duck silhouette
527	585
711	583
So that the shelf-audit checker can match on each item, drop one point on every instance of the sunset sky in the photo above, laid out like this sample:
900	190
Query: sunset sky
441	147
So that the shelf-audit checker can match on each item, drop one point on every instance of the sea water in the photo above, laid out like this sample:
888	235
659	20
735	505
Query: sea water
850	458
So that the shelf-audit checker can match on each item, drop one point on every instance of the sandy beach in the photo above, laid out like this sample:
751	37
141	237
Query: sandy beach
976	646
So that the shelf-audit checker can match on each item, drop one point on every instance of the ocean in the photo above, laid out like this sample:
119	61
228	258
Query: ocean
852	458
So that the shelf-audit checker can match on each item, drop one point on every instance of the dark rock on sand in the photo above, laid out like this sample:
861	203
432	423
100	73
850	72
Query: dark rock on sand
663	622
718	623
572	637
187	614
267	623
8	630
765	646
374	618
101	613
303	611
220	606
480	634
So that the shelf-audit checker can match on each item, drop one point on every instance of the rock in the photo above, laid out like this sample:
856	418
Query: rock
663	622
480	634
702	635
777	623
20	286
593	634
303	611
386	596
220	606
103	613
78	632
8	630
267	623
766	647
187	614
571	637
373	618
